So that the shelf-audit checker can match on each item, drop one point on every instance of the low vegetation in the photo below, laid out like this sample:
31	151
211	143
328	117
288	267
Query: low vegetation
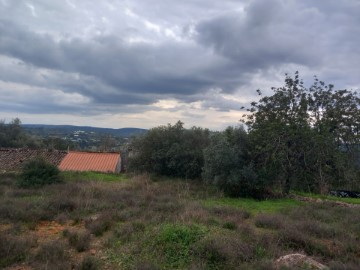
165	223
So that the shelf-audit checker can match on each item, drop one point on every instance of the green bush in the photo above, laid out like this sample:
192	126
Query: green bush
170	150
37	173
176	240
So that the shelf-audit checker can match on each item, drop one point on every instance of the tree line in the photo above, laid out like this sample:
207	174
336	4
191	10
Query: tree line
13	135
298	138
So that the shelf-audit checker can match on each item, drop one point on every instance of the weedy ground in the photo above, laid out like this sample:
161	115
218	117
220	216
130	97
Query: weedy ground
95	221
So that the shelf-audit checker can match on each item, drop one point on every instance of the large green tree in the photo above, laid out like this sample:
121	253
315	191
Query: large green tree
169	150
305	138
228	165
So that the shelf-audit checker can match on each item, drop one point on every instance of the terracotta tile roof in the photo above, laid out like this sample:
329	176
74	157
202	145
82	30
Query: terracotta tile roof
90	161
12	159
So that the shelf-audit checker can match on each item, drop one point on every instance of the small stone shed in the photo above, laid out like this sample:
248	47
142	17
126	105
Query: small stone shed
13	159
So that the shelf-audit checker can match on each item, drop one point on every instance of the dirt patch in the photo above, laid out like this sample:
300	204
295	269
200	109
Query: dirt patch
49	228
52	229
20	267
298	260
5	227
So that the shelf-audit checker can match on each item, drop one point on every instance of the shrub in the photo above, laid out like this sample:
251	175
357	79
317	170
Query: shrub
62	205
223	251
100	225
24	211
293	239
37	173
128	229
316	229
230	225
176	240
12	249
271	221
52	255
89	263
80	241
226	211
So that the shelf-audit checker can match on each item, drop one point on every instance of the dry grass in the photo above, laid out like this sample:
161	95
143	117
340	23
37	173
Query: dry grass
270	221
52	255
13	248
165	224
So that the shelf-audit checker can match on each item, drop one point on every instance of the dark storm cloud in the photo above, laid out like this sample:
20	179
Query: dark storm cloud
129	69
32	48
184	53
262	36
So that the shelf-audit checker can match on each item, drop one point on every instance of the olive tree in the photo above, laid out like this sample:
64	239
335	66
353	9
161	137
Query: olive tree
228	165
305	138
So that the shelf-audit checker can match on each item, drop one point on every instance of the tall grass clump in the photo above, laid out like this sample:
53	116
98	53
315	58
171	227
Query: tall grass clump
12	249
52	255
89	263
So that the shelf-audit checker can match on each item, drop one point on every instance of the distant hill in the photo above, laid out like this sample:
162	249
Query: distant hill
65	129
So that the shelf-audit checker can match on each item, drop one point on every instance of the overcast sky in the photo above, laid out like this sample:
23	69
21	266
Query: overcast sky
146	63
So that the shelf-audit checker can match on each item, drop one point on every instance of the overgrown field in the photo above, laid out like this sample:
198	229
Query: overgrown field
109	222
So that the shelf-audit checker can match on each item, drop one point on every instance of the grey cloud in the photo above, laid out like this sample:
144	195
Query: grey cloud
137	68
271	34
234	41
260	37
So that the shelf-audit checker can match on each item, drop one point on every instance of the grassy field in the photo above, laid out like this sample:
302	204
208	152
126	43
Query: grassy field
94	176
96	221
253	206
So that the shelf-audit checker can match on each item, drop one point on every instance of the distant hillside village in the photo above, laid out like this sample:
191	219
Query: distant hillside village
82	137
75	138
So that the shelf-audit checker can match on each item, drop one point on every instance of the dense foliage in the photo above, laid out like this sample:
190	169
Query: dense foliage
37	173
170	150
306	138
228	164
13	135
